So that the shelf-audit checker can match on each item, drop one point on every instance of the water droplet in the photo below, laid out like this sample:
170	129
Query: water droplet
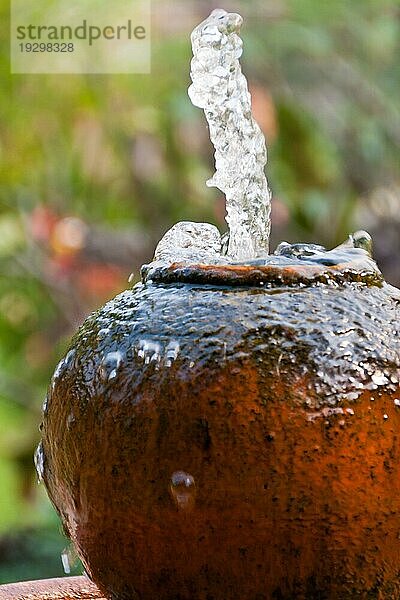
352	396
171	353
64	364
45	404
110	365
103	332
58	370
323	413
379	378
385	416
183	490
69	558
362	239
149	351
397	401
69	358
39	461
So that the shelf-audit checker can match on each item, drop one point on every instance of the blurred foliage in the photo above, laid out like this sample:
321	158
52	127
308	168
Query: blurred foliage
96	168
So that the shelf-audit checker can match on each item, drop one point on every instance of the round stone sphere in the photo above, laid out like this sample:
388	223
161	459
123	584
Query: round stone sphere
233	432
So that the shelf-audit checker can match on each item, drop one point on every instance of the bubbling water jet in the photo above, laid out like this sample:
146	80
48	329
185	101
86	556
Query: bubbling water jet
220	89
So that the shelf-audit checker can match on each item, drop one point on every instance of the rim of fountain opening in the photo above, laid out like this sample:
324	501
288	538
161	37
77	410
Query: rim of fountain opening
279	272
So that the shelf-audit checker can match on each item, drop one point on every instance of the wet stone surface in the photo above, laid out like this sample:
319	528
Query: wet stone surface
194	253
346	337
232	420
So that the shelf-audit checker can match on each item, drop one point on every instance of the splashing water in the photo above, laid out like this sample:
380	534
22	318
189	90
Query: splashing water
110	365
187	241
177	261
220	89
39	462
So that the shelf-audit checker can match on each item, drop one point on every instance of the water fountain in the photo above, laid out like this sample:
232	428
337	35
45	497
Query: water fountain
228	428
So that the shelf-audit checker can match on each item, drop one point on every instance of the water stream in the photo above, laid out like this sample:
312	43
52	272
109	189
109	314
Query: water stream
220	89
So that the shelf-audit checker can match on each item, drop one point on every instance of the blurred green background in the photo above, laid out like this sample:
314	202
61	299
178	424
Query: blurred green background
94	169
